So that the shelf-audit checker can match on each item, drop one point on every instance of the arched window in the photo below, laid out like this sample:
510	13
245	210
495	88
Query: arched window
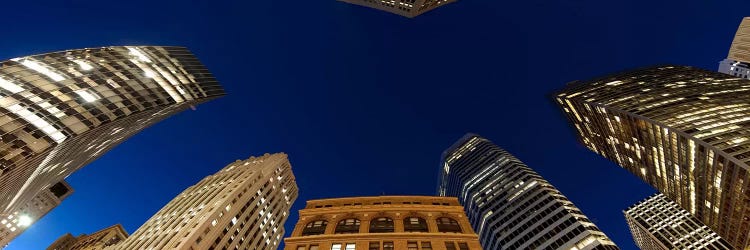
348	226
448	225
415	224
381	225
315	228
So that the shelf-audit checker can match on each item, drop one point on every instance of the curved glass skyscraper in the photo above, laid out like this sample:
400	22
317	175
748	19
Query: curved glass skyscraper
62	110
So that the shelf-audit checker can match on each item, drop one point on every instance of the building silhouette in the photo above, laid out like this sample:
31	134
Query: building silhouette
243	206
658	223
509	205
15	223
407	8
96	241
738	60
685	131
383	223
59	111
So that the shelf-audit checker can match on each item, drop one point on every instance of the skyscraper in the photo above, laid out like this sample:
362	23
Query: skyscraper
658	223
96	241
407	8
738	60
59	111
383	223
15	223
243	206
511	206
684	131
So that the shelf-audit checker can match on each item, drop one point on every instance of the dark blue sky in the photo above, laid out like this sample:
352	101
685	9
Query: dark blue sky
364	101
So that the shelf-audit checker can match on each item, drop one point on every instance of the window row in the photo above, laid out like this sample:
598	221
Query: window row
382	225
388	245
386	203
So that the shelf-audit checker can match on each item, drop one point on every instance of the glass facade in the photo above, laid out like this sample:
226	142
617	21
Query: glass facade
683	130
509	205
660	224
407	8
62	110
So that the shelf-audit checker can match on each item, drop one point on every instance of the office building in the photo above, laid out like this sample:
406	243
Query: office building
658	223
684	131
243	206
15	223
383	223
509	205
407	8
738	60
96	241
59	111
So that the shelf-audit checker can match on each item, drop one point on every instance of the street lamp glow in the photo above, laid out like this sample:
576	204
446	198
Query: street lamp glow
24	220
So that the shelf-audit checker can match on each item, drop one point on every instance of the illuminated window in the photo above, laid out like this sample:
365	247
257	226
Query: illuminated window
448	225
381	225
348	226
351	246
412	245
387	245
415	224
336	246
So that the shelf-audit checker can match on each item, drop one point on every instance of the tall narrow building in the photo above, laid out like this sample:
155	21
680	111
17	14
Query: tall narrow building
685	131
15	223
407	8
738	60
509	205
243	206
59	111
658	223
96	241
383	223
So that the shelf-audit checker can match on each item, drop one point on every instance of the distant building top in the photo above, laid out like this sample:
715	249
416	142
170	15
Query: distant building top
740	50
407	8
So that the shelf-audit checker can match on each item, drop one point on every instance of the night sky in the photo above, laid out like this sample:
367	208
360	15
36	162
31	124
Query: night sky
365	101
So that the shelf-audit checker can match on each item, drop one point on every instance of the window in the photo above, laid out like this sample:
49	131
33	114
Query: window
412	245
448	225
314	247
374	245
426	245
415	224
348	226
381	225
301	248
463	246
387	245
351	246
337	246
315	228
449	245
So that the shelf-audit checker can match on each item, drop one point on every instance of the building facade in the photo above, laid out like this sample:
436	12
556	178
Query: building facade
511	206
738	60
96	241
407	8
59	111
383	223
658	223
685	131
243	206
15	223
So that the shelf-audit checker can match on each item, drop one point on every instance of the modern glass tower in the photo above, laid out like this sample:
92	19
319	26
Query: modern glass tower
243	206
509	205
658	223
738	60
407	8
685	131
59	111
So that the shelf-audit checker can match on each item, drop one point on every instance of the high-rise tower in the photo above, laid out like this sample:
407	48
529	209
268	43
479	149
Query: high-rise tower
96	241
407	8
658	223
509	205
15	223
684	131
243	206
59	111
738	60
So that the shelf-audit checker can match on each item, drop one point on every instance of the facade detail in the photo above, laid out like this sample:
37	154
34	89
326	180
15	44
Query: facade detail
383	223
96	241
684	131
243	206
738	61
511	206
407	8
13	224
59	111
658	223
